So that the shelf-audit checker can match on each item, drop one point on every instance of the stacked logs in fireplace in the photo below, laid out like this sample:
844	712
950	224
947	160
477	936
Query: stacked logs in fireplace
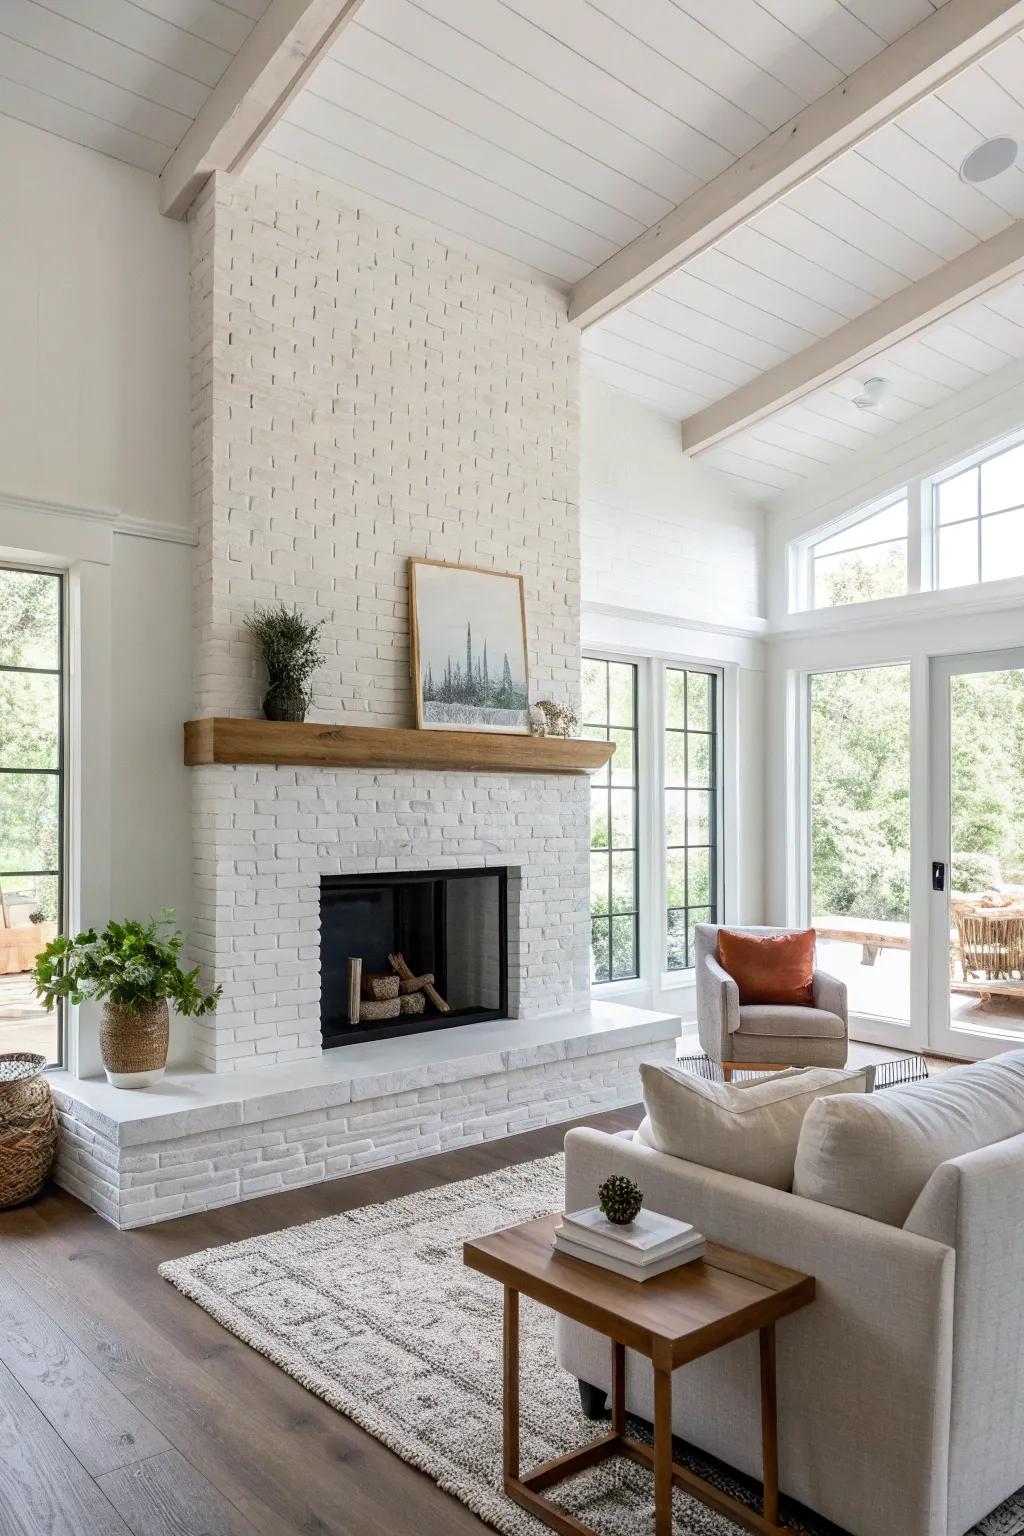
379	995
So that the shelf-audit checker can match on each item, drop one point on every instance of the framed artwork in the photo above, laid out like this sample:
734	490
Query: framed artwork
468	648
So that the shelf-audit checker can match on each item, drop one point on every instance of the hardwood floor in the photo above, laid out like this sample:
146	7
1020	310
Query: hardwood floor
125	1408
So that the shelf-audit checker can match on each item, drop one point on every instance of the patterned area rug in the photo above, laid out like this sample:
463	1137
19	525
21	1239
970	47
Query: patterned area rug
374	1311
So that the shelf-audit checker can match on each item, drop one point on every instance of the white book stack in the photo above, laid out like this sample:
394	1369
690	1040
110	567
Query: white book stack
648	1246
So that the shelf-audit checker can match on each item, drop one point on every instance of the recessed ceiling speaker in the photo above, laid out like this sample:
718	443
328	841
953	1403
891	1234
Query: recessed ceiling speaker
872	393
990	158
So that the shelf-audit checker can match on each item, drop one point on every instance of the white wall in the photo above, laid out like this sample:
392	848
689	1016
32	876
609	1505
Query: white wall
94	390
660	532
672	567
95	413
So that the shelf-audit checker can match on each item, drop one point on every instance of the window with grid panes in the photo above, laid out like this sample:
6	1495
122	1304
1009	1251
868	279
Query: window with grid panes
979	521
691	776
31	799
610	714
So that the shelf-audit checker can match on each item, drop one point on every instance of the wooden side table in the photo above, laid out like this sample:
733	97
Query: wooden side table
672	1319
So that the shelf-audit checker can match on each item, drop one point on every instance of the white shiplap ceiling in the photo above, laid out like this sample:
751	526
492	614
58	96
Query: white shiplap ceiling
878	218
826	429
553	132
125	77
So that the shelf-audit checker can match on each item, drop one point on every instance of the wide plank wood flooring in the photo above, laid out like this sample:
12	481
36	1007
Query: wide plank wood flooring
125	1408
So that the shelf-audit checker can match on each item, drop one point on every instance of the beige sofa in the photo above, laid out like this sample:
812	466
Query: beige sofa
901	1389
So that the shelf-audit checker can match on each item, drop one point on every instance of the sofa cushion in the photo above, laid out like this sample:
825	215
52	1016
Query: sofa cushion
875	1155
775	968
748	1129
796	1023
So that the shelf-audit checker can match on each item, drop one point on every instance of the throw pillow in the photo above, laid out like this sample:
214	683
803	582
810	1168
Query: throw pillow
875	1156
748	1129
770	969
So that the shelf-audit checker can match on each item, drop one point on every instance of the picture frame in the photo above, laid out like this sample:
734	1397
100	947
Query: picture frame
470	667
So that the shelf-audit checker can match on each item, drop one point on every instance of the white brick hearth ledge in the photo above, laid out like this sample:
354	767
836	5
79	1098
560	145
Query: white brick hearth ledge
199	1139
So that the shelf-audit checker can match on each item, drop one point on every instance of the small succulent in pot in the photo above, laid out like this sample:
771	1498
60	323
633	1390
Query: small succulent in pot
620	1199
291	654
132	969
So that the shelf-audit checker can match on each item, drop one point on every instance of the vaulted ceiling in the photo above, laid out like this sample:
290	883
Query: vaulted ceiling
121	78
554	133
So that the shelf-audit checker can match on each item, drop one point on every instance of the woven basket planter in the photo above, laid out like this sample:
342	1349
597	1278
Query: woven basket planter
134	1043
28	1128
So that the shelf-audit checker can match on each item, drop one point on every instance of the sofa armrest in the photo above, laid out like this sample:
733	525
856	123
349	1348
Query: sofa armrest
975	1202
830	994
864	1371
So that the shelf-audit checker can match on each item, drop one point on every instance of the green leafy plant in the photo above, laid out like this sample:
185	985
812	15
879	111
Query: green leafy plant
130	963
291	653
620	1199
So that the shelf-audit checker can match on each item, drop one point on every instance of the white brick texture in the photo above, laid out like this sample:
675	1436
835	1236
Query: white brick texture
264	837
135	1182
361	396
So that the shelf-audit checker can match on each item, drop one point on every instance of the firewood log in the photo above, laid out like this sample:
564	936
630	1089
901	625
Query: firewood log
355	971
380	986
390	1008
415	983
398	963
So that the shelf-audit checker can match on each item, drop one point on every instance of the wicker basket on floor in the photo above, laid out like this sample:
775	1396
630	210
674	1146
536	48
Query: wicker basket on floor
28	1128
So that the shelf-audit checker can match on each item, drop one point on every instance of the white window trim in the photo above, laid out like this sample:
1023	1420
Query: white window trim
654	979
801	562
922	542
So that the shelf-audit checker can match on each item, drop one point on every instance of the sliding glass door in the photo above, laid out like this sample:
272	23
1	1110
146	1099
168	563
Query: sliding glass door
977	855
859	877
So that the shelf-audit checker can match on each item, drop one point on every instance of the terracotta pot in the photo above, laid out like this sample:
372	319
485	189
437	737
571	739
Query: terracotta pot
134	1043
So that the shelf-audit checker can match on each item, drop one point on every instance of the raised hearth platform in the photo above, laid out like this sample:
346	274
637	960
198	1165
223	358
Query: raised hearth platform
199	1140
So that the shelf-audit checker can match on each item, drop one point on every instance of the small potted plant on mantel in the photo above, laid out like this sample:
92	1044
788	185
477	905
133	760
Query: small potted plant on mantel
291	653
132	968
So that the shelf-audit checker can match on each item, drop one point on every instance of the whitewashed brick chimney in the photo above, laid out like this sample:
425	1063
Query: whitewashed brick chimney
360	396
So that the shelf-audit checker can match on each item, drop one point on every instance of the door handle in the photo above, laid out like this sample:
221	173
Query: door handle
938	876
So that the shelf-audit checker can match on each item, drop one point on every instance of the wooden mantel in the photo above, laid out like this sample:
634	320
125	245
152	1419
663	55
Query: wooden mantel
223	739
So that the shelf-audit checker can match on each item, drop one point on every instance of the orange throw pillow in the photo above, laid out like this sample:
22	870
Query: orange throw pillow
767	969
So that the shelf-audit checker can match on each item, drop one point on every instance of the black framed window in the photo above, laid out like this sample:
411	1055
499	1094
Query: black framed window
610	714
691	809
32	732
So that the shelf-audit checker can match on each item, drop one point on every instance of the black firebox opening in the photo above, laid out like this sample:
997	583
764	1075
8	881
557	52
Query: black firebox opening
452	922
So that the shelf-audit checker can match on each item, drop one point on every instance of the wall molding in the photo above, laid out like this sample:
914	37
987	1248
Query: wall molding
111	517
748	627
909	607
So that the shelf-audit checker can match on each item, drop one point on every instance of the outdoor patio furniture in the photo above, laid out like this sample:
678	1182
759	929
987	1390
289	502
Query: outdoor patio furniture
990	940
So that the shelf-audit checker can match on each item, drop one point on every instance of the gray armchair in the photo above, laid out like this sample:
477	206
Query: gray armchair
766	1032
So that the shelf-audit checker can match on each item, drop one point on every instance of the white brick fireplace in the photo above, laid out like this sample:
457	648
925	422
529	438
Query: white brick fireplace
265	836
360	397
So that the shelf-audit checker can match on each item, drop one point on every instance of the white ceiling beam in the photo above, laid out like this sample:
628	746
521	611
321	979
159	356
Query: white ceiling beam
904	314
270	68
948	42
